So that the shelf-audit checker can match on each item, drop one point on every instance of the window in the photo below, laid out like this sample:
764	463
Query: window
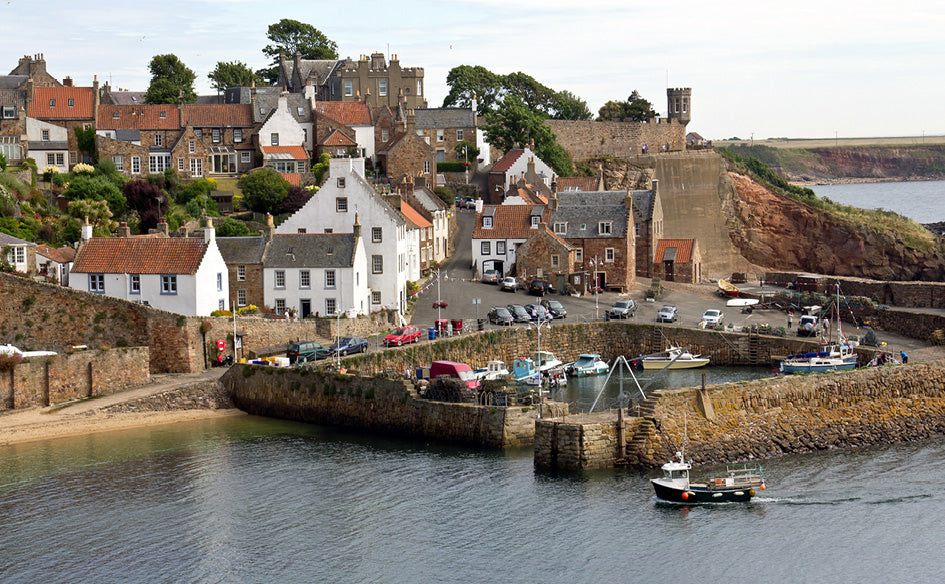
135	165
304	134
215	135
237	135
16	255
419	87
377	234
555	261
441	155
71	102
341	204
191	147
168	284
45	135
240	273
180	164
119	162
487	222
163	115
134	284
219	281
300	110
536	219
274	139
609	254
560	228
459	135
385	134
486	248
341	182
9	112
604	228
196	167
579	255
50	158
303	230
305	279
72	157
199	132
158	140
377	264
280	278
280	305
583	226
636	230
221	304
349	88
439	135
330	306
157	163
241	297
382	87
245	157
52	103
97	283
375	297
499	248
329	278
60	159
426	167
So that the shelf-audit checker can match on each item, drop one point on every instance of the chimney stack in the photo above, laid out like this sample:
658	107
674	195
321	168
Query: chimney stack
124	230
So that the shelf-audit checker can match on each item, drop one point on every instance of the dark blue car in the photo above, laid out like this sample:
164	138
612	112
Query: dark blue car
349	345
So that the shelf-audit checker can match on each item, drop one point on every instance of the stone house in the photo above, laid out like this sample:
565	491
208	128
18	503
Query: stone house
407	154
350	118
499	231
20	254
226	132
243	257
69	107
444	128
546	256
647	226
678	260
517	163
16	93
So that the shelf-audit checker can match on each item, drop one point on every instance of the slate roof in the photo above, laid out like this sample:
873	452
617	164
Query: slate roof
242	250
643	203
444	117
336	138
589	208
310	250
60	255
678	250
267	100
349	113
318	69
509	221
140	255
201	116
128	97
12	81
49	146
138	117
82	104
429	200
7	239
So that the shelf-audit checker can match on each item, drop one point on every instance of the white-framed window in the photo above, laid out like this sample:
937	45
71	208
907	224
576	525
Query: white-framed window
73	156
385	134
340	182
280	278
246	157
97	283
377	234
241	297
134	284
191	146
180	165
71	102
163	115
240	273
349	88
196	167
158	140
439	135
168	284
329	278
45	136
50	158
375	297
219	281
487	222
274	139
609	254
382	87
560	228
486	248
135	165
500	248
119	162
426	167
16	255
536	219
237	135
377	264
341	204
280	305
158	162
60	159
215	135
579	255
305	279
9	112
604	228
52	102
331	305
221	304
555	261
459	135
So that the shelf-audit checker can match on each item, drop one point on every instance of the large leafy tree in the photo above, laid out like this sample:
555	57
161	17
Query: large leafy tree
291	36
635	109
466	80
170	78
96	188
514	123
232	74
264	190
567	106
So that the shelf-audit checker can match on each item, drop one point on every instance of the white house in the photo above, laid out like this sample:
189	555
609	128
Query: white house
55	262
499	230
48	144
185	275
345	194
283	140
440	211
18	252
325	273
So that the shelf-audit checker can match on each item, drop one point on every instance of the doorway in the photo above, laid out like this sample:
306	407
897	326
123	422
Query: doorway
305	307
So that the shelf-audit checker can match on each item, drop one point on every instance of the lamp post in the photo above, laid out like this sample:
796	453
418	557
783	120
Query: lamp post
538	324
595	261
466	163
338	328
439	304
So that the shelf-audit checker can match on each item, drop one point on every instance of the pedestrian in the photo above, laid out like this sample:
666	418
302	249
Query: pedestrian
905	358
826	325
790	318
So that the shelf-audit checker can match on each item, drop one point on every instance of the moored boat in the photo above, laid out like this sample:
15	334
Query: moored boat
726	288
494	369
739	483
829	358
674	357
587	365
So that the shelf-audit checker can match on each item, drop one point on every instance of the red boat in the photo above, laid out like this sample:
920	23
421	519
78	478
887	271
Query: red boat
726	288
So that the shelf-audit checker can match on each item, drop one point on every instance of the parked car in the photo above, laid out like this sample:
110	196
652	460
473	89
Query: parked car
667	314
555	308
491	276
712	316
540	288
519	314
622	308
402	336
537	312
808	325
508	283
349	345
501	315
305	351
469	203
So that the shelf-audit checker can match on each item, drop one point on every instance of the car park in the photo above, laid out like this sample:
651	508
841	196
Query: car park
501	315
554	308
712	316
508	284
305	351
349	345
402	336
519	314
540	288
667	314
622	308
537	312
491	276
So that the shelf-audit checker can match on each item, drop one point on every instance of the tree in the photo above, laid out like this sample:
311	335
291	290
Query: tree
635	109
296	199
264	190
232	74
96	188
233	228
567	106
148	200
290	37
170	78
513	123
467	151
466	80
85	140
97	212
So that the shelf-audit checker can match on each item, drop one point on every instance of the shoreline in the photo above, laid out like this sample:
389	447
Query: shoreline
856	180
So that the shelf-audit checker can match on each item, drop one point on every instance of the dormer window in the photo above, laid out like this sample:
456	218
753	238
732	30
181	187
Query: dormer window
300	110
163	115
560	228
604	228
115	115
71	102
536	219
52	103
487	222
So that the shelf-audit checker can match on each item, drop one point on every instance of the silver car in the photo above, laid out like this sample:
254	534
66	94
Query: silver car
622	309
667	314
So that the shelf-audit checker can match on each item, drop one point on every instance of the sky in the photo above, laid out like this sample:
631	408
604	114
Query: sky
758	69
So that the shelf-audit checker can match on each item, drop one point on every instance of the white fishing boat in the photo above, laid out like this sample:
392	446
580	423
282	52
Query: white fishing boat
832	355
587	365
674	358
494	369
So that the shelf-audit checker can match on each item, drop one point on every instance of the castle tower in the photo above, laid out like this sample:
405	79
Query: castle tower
678	104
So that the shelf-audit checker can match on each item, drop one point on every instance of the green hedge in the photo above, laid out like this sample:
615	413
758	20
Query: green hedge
450	167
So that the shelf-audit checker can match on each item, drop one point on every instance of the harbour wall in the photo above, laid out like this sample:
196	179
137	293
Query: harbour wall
756	419
378	404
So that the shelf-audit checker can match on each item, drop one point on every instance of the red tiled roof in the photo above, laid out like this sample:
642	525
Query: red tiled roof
139	255
509	222
349	113
336	138
414	215
296	152
82	103
581	183
293	178
683	250
506	162
60	255
138	117
217	115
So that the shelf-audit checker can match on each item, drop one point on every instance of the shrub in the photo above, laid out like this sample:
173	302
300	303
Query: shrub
8	362
83	168
450	167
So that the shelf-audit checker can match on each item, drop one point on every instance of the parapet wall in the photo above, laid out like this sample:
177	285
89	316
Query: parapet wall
588	139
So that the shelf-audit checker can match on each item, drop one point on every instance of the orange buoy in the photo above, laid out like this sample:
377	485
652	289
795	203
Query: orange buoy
685	495
762	486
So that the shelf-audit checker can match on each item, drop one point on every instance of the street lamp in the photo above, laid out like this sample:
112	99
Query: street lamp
596	261
538	324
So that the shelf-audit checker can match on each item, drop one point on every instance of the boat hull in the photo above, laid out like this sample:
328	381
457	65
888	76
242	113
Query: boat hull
801	367
702	494
679	364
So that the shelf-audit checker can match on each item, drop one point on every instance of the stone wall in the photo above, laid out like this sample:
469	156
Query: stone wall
200	395
377	404
587	139
43	381
901	294
581	442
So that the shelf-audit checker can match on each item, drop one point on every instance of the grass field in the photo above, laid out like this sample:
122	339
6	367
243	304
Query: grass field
828	142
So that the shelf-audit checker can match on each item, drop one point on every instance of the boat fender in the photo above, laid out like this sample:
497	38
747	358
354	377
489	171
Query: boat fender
684	495
738	493
762	486
751	492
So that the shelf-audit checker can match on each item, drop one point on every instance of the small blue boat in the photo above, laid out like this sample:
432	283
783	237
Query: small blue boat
587	365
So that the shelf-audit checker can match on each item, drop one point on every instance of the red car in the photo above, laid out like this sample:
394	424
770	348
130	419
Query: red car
403	335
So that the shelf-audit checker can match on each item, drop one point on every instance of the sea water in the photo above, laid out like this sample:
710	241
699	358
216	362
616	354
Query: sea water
923	201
